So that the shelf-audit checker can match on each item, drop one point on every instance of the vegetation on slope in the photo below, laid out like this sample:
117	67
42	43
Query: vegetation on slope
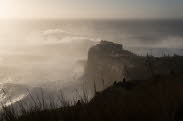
158	99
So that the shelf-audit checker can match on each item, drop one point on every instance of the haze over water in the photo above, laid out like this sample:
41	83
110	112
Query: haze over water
52	53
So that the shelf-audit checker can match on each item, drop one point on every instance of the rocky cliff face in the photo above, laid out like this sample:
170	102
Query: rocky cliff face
109	62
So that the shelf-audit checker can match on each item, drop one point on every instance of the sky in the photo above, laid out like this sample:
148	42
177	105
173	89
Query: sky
91	8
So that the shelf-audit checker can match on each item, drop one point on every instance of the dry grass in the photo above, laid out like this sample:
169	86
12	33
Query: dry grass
158	100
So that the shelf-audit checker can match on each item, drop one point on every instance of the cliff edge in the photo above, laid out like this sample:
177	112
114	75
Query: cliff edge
109	62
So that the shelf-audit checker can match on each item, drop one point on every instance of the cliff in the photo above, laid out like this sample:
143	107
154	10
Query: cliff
108	62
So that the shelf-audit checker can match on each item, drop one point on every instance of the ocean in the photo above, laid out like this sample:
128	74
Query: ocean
51	53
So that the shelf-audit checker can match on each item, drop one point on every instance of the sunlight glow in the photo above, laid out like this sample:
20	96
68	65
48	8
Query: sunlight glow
6	9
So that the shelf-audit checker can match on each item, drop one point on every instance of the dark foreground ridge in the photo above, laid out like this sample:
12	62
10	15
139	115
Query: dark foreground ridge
158	96
152	101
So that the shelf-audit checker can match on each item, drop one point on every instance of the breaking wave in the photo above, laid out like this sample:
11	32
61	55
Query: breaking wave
51	58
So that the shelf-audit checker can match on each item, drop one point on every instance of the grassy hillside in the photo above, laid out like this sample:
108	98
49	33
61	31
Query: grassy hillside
159	99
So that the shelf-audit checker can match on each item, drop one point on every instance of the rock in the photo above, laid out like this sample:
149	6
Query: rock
109	62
